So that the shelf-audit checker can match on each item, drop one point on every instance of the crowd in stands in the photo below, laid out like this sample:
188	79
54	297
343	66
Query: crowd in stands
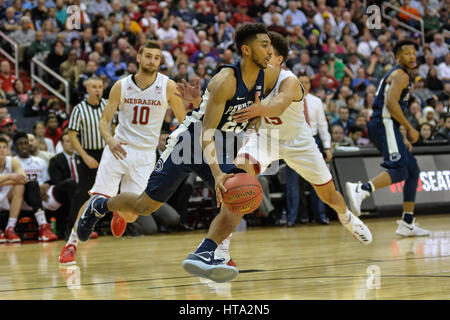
329	41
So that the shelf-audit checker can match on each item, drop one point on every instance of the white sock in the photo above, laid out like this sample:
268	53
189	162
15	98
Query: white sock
40	217
225	245
73	239
344	217
11	223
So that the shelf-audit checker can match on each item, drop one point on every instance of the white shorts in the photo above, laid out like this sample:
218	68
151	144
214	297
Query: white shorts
300	153
131	173
51	203
4	203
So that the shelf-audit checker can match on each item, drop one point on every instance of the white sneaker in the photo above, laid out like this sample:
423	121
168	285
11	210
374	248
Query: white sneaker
358	229
356	195
223	251
410	230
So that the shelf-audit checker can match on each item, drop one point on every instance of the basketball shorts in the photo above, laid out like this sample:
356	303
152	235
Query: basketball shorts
130	174
182	156
300	153
50	204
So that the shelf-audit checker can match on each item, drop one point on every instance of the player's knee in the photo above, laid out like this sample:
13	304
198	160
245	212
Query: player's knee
398	174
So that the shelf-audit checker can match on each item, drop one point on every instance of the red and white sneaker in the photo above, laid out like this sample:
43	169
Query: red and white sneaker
94	235
67	255
46	234
118	225
2	237
231	263
11	235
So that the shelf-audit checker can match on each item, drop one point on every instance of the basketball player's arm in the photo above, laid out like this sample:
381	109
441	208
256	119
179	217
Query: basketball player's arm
105	120
290	91
17	177
222	88
175	102
399	81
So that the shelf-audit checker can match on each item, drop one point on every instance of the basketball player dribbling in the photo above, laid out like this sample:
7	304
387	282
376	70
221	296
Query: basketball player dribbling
285	134
142	100
232	88
390	102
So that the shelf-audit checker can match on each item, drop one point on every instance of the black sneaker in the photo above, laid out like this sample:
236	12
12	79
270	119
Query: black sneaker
204	265
89	218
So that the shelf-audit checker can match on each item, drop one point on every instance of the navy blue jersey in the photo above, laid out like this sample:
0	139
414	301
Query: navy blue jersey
241	99
379	105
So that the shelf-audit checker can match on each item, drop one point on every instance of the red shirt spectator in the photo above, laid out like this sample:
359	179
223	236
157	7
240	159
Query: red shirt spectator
332	82
6	78
241	16
408	9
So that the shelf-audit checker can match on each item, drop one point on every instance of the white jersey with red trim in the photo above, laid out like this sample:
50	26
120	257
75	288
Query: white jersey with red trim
35	169
141	112
292	122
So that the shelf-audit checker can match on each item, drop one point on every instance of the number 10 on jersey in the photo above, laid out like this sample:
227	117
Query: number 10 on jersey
141	115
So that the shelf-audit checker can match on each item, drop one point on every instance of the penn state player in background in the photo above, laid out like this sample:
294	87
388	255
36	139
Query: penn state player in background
388	114
232	88
141	100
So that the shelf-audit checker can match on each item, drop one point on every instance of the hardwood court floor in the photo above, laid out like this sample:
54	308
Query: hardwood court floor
304	262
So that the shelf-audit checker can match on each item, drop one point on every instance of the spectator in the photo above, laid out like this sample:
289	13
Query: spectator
443	69
4	99
324	79
37	105
54	107
315	51
190	36
303	66
241	15
99	7
185	13
19	96
204	16
39	132
374	67
298	17
206	52
38	48
60	12
438	47
72	68
310	27
429	116
338	139
426	133
444	133
432	81
115	68
360	82
277	26
8	127
6	77
39	14
445	95
414	114
366	45
425	67
344	119
4	113
130	30
355	134
267	17
49	31
361	121
10	23
346	22
407	18
52	129
55	58
421	92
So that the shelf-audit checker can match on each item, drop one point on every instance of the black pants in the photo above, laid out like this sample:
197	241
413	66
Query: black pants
63	193
86	179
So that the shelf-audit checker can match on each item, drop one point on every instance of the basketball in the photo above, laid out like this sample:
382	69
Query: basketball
244	193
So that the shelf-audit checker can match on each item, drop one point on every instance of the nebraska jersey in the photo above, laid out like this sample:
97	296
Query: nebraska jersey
141	112
292	121
6	170
35	168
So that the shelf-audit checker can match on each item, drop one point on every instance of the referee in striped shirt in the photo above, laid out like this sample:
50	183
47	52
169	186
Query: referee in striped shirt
84	134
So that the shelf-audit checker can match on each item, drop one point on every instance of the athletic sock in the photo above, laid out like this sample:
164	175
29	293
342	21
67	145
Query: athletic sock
206	245
101	205
73	239
408	217
345	217
368	186
40	217
11	223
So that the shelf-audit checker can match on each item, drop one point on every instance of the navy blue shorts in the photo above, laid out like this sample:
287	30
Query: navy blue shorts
388	139
176	163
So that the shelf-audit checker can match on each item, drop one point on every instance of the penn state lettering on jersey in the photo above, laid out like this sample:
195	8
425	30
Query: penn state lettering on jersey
379	105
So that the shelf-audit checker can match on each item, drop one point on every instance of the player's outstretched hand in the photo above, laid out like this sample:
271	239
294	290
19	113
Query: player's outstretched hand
219	187
250	112
187	92
116	148
413	135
